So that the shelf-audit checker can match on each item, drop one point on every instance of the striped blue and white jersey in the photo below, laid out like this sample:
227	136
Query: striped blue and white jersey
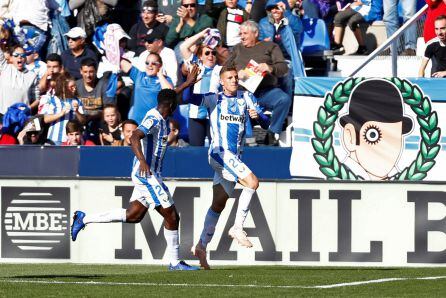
228	116
154	144
51	104
209	81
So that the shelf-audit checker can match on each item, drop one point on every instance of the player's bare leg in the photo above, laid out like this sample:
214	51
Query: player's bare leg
218	204
250	185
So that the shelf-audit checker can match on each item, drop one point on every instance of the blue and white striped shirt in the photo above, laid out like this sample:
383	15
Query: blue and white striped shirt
52	104
209	81
228	117
154	144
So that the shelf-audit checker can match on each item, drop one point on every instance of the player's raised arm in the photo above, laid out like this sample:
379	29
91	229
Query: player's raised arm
135	142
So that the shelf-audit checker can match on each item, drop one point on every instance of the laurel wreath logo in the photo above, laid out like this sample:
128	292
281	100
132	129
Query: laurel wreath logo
327	115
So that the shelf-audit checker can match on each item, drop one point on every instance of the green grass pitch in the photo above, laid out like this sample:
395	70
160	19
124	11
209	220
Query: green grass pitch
72	280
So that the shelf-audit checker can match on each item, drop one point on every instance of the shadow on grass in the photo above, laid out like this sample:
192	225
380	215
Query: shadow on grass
51	276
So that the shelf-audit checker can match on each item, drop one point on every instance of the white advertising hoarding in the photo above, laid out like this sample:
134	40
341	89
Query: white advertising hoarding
290	223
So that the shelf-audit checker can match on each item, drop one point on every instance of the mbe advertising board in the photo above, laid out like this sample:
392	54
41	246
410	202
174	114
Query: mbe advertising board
289	223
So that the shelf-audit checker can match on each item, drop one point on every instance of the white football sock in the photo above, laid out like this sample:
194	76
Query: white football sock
115	215
172	246
243	206
210	222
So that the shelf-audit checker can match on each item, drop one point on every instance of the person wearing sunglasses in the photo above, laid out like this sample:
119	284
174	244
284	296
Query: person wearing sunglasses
17	84
188	22
146	27
209	81
76	52
146	85
155	44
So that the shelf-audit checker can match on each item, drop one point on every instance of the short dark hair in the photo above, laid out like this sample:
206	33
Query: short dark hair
174	123
129	121
54	57
89	62
15	47
440	17
73	126
167	97
226	68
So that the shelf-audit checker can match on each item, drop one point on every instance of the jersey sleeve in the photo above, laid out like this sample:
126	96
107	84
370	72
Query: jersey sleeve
146	125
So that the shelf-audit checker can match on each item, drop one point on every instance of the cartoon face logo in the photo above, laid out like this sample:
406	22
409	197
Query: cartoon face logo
374	127
373	130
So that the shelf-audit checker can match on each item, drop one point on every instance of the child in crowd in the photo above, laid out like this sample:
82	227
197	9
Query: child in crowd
110	130
74	131
61	107
128	126
172	138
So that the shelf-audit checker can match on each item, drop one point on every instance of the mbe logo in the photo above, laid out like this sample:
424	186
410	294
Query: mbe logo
35	222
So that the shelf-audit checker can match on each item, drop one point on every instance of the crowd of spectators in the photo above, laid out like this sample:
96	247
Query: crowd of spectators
58	87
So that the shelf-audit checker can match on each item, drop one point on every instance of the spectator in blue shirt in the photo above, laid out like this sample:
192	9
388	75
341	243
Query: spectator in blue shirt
146	85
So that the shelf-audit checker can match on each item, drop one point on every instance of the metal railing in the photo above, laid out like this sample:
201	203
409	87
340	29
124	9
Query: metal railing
393	42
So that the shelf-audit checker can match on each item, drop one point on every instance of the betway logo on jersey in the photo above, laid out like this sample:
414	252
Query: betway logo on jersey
232	118
35	222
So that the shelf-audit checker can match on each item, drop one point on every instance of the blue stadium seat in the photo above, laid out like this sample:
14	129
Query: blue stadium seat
181	115
315	39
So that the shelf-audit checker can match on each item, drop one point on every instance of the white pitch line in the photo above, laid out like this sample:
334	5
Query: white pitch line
104	283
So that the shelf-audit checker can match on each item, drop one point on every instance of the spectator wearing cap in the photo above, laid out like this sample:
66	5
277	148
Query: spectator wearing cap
272	65
188	22
155	44
284	29
146	27
76	52
17	84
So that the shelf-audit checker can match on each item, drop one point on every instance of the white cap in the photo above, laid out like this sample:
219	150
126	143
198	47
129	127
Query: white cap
117	31
76	32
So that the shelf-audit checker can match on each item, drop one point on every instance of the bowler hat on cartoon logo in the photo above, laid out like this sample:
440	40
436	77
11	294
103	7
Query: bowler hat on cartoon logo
376	100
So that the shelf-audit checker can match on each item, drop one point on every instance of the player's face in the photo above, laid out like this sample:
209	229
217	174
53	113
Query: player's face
88	74
153	65
379	147
53	67
127	132
74	138
440	30
209	57
111	117
229	81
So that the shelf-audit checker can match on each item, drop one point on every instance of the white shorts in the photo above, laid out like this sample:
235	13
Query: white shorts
150	191
228	169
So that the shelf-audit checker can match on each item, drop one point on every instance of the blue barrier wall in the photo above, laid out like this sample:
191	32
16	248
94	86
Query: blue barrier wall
111	162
